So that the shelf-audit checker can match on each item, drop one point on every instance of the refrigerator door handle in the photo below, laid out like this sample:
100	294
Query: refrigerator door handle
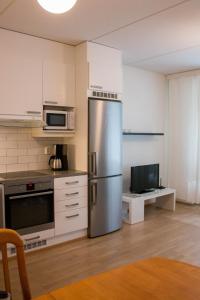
94	193
93	163
90	164
94	159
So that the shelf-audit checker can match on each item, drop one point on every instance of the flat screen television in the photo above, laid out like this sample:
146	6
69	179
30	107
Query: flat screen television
144	178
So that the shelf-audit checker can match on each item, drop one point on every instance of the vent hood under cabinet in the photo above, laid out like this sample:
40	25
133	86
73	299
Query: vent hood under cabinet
21	121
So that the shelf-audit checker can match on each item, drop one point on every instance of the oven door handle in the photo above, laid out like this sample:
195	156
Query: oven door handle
30	195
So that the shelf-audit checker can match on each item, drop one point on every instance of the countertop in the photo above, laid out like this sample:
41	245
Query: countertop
67	173
12	176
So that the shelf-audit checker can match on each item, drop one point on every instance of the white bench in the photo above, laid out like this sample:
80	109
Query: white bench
133	204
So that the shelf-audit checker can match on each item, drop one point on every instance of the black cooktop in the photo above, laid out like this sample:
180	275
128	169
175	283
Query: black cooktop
24	174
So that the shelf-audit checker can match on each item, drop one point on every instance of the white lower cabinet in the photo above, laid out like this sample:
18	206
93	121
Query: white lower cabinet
71	220
70	193
69	182
71	212
61	206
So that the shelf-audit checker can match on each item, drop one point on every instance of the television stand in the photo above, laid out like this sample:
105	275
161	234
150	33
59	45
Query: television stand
133	204
146	191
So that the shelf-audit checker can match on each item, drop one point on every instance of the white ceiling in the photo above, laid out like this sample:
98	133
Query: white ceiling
158	35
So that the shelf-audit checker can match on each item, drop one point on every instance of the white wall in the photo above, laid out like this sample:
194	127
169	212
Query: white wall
144	110
19	151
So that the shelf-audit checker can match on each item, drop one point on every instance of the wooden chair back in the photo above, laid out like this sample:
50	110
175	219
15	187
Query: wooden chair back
8	236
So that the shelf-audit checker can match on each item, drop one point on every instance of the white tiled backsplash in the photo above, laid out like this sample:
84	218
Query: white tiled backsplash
19	151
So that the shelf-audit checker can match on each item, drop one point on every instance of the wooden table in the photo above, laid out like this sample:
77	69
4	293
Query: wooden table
152	279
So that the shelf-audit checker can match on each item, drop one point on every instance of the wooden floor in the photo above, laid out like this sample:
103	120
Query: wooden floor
173	235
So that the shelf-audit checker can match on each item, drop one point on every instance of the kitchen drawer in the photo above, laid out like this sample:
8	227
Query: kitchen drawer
72	220
70	204
73	181
70	193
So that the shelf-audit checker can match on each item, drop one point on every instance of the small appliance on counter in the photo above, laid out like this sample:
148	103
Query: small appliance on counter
58	160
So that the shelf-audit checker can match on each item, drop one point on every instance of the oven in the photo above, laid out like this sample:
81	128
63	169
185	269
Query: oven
27	206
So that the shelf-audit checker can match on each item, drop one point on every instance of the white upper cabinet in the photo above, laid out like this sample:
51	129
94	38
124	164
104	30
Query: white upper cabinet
58	84
105	68
21	86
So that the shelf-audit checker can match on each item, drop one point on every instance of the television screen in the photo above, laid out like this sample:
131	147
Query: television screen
144	178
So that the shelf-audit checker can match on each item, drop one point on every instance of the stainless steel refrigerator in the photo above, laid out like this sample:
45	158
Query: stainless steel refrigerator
105	166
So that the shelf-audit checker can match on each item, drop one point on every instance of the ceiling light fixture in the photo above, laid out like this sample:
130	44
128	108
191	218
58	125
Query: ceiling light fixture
57	6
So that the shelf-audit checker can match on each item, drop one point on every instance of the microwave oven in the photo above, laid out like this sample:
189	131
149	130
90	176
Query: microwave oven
58	120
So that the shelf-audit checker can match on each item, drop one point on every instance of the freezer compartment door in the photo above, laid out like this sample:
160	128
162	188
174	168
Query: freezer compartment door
105	205
105	138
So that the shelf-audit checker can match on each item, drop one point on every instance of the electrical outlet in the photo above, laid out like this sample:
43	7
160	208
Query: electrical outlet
47	150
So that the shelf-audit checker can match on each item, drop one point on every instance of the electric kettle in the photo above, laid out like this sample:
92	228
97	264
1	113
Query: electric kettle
55	163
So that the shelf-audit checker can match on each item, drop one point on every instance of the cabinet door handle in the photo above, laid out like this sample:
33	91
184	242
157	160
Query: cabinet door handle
31	112
30	195
72	194
71	205
51	102
72	182
73	216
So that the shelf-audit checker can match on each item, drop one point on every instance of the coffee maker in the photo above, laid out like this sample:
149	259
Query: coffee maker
58	160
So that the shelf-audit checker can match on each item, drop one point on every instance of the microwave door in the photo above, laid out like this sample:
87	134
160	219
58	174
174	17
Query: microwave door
56	120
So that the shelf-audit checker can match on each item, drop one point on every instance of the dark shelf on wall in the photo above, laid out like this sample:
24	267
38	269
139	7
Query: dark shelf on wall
143	133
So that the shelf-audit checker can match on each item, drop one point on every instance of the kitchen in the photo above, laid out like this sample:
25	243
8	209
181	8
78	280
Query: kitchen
51	97
63	94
